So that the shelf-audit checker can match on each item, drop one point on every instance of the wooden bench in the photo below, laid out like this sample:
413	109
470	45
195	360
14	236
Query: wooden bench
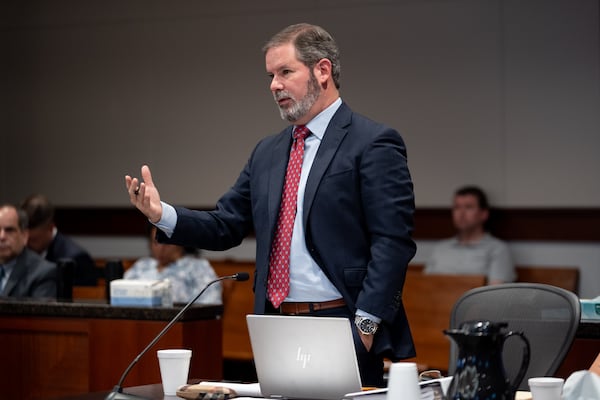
429	299
563	277
428	302
238	301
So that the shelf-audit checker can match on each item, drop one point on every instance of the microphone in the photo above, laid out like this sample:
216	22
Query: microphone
117	392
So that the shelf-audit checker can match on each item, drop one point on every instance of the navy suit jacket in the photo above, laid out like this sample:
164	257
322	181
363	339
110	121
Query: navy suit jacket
32	276
64	247
358	218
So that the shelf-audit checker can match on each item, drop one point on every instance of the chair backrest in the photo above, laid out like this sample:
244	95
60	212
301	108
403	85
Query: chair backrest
547	315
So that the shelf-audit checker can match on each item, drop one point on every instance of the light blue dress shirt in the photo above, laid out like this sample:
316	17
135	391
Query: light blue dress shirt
307	280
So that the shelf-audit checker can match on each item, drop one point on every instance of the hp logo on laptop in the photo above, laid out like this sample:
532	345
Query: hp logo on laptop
304	358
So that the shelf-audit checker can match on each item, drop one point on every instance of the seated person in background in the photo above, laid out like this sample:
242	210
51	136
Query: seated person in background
188	272
23	273
47	241
473	251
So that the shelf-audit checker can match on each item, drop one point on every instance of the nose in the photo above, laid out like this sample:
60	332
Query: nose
275	85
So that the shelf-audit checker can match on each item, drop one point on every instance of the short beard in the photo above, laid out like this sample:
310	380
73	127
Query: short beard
300	108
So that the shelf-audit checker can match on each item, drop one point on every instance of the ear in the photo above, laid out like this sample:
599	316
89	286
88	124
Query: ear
322	70
485	214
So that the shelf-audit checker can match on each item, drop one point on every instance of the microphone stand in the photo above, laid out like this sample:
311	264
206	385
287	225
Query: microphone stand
117	392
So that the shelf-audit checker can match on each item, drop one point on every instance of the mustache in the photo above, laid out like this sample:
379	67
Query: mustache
282	95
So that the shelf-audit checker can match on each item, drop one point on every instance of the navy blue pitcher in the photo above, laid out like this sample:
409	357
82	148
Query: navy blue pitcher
480	373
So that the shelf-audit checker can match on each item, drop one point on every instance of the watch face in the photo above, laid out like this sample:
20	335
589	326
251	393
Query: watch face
367	326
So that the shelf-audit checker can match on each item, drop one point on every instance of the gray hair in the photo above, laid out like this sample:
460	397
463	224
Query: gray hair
312	44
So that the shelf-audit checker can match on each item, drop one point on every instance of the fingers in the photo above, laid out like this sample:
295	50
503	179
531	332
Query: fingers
143	194
135	188
128	182
132	186
146	175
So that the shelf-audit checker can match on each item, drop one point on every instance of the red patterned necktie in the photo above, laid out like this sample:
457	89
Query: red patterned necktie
278	285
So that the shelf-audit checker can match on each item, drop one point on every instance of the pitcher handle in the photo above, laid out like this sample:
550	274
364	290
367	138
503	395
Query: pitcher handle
524	361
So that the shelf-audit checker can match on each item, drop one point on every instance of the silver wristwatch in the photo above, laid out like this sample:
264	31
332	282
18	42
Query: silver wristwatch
365	325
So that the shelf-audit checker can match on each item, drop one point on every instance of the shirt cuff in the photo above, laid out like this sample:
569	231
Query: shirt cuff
373	318
168	219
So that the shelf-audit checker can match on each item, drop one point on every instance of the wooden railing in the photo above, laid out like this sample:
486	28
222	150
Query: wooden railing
428	302
238	301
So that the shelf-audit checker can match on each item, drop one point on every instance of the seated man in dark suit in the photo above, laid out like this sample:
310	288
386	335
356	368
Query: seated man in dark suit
23	273
46	240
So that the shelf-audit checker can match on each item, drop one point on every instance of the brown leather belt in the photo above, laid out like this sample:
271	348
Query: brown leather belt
292	308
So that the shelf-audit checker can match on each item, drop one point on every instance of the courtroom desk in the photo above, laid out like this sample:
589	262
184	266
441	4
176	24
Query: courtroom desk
151	392
53	349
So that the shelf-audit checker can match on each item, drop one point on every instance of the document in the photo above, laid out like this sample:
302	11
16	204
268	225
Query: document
242	389
433	389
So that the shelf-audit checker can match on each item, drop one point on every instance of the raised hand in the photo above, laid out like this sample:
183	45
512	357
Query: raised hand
144	195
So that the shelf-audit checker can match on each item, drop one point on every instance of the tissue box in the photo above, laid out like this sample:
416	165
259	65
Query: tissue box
590	309
128	292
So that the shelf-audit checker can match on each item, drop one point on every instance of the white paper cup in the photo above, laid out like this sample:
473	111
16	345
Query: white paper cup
403	382
546	388
174	369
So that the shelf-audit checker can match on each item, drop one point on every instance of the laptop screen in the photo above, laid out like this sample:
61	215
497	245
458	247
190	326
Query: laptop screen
304	357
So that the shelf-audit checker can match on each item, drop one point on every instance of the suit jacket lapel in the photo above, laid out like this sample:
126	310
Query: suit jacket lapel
279	160
18	272
335	133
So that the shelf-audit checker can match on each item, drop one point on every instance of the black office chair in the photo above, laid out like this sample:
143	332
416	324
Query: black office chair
547	315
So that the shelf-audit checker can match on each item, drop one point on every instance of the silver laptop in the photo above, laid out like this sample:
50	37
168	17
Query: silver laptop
303	357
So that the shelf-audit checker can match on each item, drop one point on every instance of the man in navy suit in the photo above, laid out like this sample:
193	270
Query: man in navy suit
351	240
23	273
46	240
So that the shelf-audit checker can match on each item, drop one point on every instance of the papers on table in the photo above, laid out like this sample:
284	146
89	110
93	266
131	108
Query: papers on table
242	389
429	390
251	391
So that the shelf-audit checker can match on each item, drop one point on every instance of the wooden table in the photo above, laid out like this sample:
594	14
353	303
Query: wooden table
150	392
58	349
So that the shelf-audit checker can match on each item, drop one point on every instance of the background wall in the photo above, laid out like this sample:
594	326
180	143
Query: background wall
504	94
501	93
